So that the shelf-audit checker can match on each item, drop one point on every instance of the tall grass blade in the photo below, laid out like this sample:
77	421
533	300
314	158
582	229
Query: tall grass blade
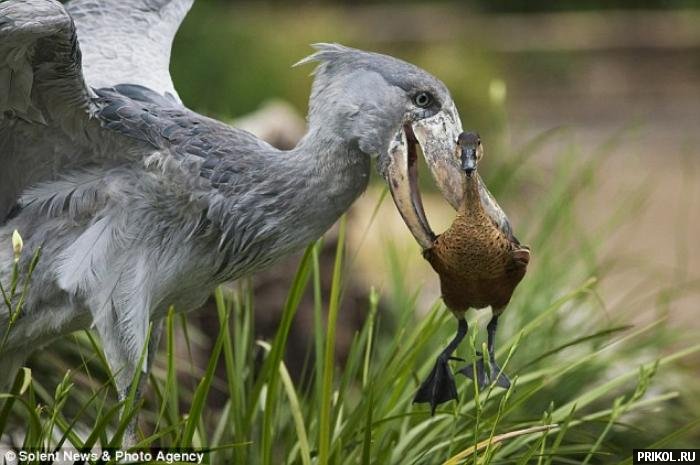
325	420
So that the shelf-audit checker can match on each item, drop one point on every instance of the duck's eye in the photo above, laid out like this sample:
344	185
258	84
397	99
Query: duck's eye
423	99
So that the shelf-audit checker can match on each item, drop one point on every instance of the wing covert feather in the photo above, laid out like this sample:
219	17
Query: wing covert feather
128	41
44	101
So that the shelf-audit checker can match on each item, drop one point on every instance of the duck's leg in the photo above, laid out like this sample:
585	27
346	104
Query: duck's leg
439	386
496	374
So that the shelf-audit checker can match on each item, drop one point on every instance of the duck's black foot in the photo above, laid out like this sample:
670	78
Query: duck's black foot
439	387
496	376
476	372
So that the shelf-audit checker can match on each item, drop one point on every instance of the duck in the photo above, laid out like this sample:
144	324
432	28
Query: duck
479	262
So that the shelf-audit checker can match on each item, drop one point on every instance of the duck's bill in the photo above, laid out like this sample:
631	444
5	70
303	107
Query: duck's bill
437	137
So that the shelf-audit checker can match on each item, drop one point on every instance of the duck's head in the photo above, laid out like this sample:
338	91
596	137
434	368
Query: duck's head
470	151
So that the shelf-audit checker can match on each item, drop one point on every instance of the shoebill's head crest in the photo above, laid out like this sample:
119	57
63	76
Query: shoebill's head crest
388	107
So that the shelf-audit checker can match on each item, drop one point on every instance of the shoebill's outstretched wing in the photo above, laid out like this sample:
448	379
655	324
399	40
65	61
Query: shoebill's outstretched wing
44	101
128	41
51	59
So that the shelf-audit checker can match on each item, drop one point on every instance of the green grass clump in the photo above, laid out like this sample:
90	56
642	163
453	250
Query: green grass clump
587	386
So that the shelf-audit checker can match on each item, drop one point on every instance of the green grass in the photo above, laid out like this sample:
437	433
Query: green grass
587	387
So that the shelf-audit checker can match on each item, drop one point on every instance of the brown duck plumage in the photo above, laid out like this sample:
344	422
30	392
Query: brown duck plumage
479	264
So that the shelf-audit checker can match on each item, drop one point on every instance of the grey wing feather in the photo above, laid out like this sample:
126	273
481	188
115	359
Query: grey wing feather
116	289
50	139
40	72
128	41
215	161
140	113
43	97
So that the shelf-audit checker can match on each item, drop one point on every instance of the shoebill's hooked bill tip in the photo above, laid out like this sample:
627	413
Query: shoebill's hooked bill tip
437	137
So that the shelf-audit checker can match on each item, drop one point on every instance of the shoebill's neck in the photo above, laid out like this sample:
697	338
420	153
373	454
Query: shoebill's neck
334	172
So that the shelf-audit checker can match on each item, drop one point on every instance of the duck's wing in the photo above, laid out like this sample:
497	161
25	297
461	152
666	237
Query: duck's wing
128	41
494	210
44	100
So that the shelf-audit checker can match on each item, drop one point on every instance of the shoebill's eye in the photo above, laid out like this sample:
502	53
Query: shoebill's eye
423	99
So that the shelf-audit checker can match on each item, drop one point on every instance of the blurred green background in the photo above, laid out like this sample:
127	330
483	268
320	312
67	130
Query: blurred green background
599	71
619	81
612	86
590	115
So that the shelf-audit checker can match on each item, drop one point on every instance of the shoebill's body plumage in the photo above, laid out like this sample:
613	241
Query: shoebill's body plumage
139	203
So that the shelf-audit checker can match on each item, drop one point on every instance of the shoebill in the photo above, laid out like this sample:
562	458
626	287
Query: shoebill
479	262
139	203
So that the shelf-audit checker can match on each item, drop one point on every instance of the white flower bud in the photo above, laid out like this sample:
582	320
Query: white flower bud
17	244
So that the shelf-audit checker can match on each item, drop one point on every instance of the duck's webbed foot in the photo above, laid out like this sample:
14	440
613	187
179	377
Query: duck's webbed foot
439	387
484	379
477	371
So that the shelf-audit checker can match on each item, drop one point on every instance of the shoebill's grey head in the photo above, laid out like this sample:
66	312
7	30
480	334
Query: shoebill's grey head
388	107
